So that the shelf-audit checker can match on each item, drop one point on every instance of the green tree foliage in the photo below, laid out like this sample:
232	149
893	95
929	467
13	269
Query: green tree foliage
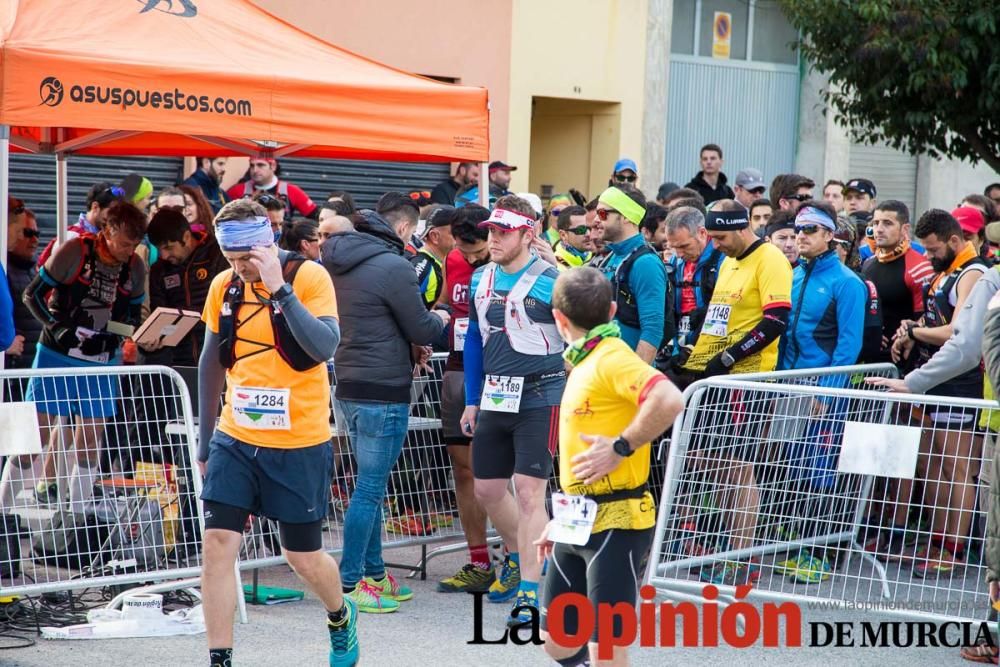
921	75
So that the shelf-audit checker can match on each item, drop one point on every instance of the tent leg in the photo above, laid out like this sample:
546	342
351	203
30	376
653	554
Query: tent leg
4	189
62	199
484	185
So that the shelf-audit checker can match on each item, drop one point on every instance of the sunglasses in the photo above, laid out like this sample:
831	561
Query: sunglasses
31	233
625	179
264	200
579	230
800	198
603	213
757	191
418	195
807	229
555	212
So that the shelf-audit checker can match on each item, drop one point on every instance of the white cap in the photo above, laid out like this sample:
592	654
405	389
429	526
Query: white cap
533	199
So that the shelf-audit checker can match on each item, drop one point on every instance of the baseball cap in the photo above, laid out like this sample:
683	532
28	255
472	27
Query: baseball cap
993	232
497	165
440	215
533	199
970	219
666	189
506	220
625	163
750	179
862	185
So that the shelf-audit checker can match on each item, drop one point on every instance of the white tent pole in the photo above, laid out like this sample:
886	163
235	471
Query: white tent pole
484	185
62	199
4	193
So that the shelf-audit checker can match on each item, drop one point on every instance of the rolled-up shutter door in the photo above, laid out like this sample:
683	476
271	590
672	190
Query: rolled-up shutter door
366	181
33	179
893	172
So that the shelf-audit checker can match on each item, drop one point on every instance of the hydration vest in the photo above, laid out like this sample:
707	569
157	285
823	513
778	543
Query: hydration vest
249	190
525	336
71	301
627	312
938	311
284	342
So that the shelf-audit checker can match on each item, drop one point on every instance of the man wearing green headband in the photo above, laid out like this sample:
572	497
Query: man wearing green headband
635	271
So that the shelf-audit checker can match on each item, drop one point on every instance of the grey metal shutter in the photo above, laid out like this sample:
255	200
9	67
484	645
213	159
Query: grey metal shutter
33	179
893	172
366	181
749	109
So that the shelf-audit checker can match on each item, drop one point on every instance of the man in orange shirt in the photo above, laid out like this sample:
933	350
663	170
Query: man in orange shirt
271	324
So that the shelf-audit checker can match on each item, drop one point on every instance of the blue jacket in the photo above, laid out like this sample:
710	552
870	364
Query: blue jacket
216	196
647	282
710	260
827	321
6	313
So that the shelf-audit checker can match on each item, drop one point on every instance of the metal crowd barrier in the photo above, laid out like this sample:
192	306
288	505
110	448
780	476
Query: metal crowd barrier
143	523
762	473
420	508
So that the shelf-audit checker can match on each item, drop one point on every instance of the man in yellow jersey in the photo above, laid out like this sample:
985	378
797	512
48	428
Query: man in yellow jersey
613	405
751	302
271	324
747	315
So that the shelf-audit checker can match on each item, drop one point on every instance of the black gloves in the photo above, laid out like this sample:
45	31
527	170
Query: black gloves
716	367
99	343
66	337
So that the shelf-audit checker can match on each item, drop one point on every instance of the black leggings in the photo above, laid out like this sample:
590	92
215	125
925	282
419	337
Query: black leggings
607	569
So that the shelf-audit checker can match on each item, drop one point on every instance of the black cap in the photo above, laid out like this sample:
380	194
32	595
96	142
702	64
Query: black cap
441	215
497	165
862	185
666	189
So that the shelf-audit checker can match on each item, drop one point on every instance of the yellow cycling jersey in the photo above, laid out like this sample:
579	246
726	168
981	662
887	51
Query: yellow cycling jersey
602	396
745	288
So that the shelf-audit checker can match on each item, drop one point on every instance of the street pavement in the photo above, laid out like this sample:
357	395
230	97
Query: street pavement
432	629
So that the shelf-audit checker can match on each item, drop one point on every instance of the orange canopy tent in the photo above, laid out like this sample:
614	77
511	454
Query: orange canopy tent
219	77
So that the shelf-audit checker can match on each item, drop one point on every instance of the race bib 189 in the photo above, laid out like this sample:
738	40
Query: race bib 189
502	393
717	320
262	408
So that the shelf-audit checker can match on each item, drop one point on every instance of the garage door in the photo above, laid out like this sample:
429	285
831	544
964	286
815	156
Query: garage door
33	179
893	172
366	181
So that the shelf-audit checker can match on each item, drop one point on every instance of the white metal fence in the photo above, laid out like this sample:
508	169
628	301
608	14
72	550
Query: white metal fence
98	488
815	493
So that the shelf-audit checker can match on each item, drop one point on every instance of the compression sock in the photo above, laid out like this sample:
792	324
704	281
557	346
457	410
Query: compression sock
220	657
529	587
480	556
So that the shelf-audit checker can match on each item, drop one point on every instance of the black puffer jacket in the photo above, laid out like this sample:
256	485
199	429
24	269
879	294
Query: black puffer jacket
380	312
707	192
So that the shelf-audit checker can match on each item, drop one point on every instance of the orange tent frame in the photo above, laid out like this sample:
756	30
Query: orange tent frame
211	77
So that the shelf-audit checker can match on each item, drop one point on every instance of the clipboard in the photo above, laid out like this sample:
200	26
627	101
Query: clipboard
167	326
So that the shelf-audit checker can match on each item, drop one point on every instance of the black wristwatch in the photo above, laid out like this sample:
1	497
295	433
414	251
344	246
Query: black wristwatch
909	331
282	292
622	448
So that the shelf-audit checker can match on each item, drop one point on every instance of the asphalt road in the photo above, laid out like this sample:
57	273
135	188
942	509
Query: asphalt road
432	629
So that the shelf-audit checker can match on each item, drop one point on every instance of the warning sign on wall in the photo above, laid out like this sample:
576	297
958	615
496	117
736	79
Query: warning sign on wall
722	32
